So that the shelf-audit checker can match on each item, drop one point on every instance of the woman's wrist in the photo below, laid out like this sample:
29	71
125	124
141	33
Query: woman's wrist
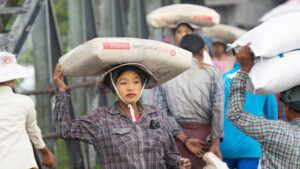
62	90
185	140
181	137
44	151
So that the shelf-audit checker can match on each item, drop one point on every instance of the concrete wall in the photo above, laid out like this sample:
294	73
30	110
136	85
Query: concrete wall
242	13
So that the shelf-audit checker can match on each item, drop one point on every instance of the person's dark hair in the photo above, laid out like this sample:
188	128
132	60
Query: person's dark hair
186	24
291	97
193	43
116	73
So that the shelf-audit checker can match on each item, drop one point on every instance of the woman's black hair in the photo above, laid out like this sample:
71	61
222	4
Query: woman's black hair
186	24
117	72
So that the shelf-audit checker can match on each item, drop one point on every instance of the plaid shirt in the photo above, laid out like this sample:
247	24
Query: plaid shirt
280	141
119	142
195	96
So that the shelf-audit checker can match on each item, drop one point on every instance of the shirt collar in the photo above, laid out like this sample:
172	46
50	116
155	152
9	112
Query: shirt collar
143	110
6	89
195	61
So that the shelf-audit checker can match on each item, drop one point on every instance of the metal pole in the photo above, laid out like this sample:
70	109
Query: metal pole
42	55
143	31
117	23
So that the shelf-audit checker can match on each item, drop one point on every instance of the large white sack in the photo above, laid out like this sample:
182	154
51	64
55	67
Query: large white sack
171	14
274	74
213	162
93	58
289	6
224	32
276	36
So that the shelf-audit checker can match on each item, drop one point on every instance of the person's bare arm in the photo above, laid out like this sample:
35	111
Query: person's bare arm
48	158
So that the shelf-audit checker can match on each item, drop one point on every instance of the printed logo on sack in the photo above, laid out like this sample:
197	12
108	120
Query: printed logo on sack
173	52
201	17
116	45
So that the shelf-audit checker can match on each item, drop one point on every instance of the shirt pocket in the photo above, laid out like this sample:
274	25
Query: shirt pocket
155	140
122	138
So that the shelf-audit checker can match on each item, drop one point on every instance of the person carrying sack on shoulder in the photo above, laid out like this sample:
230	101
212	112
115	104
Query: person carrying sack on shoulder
280	141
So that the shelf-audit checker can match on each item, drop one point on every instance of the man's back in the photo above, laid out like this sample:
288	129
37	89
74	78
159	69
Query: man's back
195	96
189	94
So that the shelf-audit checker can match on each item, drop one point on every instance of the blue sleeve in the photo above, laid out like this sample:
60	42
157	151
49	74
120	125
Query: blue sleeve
270	107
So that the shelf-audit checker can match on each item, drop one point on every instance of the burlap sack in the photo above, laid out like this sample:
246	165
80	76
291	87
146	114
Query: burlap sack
96	56
195	14
276	36
274	74
224	32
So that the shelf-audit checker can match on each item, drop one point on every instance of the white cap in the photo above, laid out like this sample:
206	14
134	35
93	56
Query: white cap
10	69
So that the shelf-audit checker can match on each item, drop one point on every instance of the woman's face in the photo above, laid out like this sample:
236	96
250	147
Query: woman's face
11	83
181	31
129	86
218	50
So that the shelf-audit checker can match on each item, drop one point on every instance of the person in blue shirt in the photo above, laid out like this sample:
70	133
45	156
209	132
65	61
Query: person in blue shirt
239	150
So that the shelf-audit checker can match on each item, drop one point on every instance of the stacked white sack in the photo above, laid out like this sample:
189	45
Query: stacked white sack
289	6
274	74
171	14
276	36
94	57
213	162
224	32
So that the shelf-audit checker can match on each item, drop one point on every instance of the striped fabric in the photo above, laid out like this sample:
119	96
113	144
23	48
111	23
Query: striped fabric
195	96
280	141
119	142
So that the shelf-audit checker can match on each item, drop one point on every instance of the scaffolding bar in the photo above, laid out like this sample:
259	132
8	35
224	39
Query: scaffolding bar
12	10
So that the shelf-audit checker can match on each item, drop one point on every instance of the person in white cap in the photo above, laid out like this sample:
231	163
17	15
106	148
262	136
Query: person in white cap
18	124
127	134
222	60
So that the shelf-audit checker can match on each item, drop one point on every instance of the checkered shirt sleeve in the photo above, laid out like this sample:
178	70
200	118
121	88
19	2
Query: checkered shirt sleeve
280	140
84	128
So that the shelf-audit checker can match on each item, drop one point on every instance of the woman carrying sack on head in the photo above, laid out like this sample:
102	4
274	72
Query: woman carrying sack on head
178	20
127	134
